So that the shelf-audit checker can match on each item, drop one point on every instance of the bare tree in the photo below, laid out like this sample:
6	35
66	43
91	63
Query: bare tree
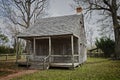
22	12
109	8
13	32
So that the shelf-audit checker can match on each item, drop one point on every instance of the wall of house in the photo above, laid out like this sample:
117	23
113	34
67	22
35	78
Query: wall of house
76	52
83	42
61	46
42	47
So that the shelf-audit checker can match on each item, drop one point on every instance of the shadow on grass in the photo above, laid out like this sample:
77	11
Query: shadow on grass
9	65
59	68
96	62
5	73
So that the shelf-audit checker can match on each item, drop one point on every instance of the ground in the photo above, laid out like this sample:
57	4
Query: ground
19	73
9	69
8	66
93	69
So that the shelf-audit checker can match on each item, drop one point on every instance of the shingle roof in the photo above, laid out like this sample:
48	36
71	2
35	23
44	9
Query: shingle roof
54	26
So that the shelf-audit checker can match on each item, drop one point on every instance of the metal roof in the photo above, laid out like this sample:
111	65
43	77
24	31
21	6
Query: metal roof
61	25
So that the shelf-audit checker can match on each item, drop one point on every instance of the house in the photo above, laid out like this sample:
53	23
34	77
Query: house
95	52
56	42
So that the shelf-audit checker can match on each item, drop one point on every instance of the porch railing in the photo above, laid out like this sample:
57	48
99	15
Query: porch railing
64	58
42	60
46	62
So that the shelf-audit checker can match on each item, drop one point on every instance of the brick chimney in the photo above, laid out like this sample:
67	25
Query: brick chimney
78	10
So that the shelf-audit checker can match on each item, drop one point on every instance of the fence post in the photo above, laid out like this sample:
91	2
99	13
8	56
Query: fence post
6	57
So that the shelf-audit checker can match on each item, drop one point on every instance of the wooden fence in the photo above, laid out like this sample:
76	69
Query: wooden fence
7	57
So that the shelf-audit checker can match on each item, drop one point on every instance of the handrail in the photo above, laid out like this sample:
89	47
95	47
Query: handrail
46	57
45	60
42	59
27	60
61	55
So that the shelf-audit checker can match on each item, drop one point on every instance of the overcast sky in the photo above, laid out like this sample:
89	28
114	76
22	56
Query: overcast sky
60	7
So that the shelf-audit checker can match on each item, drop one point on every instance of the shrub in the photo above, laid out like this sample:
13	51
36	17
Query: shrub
6	50
106	45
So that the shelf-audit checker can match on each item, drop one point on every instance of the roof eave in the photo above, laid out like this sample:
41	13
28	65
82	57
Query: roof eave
29	37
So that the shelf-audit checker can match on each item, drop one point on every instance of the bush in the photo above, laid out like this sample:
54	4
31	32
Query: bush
106	45
6	50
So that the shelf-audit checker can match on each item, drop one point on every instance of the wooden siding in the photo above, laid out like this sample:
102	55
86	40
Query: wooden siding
61	46
42	47
76	46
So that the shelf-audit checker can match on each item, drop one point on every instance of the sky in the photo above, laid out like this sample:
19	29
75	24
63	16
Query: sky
60	7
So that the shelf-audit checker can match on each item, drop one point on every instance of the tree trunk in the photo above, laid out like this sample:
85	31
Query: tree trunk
116	28
117	43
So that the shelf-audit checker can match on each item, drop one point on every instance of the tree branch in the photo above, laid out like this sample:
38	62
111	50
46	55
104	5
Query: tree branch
35	9
32	1
118	6
15	22
98	7
38	7
23	14
106	3
118	17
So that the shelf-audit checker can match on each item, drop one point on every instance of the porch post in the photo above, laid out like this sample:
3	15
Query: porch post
72	47
50	49
34	50
79	49
16	50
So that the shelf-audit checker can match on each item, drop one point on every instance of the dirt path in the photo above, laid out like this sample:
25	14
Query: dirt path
18	74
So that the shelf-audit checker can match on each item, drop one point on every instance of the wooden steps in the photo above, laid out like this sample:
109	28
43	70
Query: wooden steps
39	65
39	62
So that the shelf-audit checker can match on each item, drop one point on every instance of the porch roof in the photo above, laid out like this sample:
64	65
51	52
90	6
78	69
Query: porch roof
62	25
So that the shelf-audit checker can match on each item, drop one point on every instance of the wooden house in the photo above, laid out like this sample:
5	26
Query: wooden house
56	42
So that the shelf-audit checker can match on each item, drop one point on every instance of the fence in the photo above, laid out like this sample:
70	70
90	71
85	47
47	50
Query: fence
7	57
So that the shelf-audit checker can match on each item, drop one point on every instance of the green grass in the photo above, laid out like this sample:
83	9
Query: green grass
93	69
3	58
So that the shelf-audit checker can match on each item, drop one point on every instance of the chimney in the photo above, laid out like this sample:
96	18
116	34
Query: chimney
78	10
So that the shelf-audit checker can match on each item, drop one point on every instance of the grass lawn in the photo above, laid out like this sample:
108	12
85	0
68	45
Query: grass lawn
93	69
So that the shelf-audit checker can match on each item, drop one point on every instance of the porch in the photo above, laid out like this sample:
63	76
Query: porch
55	51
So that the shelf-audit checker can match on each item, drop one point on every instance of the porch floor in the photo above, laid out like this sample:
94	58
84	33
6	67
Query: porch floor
63	64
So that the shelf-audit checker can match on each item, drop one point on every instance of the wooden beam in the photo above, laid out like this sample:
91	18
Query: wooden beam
50	49
72	47
61	55
42	38
64	55
34	46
